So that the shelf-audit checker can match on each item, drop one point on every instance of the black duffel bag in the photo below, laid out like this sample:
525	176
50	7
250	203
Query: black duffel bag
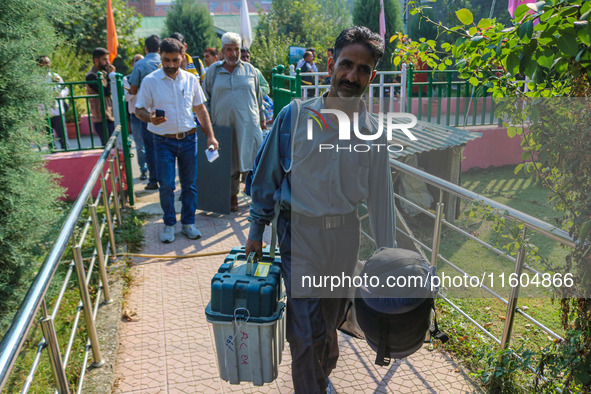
396	314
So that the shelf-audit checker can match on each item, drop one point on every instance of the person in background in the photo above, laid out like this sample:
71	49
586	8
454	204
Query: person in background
268	103
100	60
135	123
210	56
307	68
245	57
235	100
142	69
192	64
301	62
58	111
179	94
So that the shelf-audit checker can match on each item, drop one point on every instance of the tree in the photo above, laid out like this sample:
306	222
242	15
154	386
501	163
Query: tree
270	50
192	19
367	13
307	23
86	29
549	43
28	192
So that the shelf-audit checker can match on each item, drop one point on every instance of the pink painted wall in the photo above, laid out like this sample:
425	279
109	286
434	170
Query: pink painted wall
494	149
75	168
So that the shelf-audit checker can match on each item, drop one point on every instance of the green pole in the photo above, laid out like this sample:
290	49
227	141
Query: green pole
298	83
125	136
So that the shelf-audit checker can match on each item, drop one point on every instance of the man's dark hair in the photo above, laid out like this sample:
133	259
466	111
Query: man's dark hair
171	45
360	35
178	36
330	50
99	52
212	51
244	50
311	49
153	43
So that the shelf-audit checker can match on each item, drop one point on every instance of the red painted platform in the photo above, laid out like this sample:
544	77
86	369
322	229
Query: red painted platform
74	169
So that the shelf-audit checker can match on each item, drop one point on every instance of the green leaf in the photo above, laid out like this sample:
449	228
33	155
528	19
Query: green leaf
518	168
397	61
511	131
584	36
526	30
484	24
513	63
474	81
465	16
520	12
546	59
568	45
499	47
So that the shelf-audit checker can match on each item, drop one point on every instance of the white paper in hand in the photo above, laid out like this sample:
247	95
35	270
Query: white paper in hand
212	154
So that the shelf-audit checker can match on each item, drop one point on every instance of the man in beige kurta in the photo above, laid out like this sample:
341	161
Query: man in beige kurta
234	99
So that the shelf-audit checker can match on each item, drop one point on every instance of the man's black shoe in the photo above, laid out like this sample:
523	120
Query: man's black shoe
151	186
143	177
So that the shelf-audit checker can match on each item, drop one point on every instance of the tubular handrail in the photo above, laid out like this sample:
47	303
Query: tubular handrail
23	320
528	222
531	222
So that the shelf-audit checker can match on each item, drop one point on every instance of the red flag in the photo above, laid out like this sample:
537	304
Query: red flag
112	42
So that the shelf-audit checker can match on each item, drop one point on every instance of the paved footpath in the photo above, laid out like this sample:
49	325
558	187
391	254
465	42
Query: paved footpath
171	349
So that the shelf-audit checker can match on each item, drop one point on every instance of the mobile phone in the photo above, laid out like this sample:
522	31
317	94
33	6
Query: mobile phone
159	113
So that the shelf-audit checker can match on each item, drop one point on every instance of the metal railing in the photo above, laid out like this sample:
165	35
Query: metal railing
96	224
82	124
529	224
434	96
387	92
60	127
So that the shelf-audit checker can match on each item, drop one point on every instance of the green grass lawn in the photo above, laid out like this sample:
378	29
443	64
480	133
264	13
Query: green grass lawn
466	341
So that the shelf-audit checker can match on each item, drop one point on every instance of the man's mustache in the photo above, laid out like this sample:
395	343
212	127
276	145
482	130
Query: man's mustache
350	84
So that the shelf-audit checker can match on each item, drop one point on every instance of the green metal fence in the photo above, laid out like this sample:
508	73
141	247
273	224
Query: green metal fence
77	101
82	129
285	88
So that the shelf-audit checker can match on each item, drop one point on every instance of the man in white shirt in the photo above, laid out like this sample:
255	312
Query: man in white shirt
177	93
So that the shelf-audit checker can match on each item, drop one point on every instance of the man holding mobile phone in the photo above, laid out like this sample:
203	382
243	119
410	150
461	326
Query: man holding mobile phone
166	101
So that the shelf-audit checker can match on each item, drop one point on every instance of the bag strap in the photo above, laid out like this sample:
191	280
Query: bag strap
434	330
382	354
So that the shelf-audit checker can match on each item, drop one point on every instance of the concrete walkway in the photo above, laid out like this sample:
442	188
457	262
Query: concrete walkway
171	348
